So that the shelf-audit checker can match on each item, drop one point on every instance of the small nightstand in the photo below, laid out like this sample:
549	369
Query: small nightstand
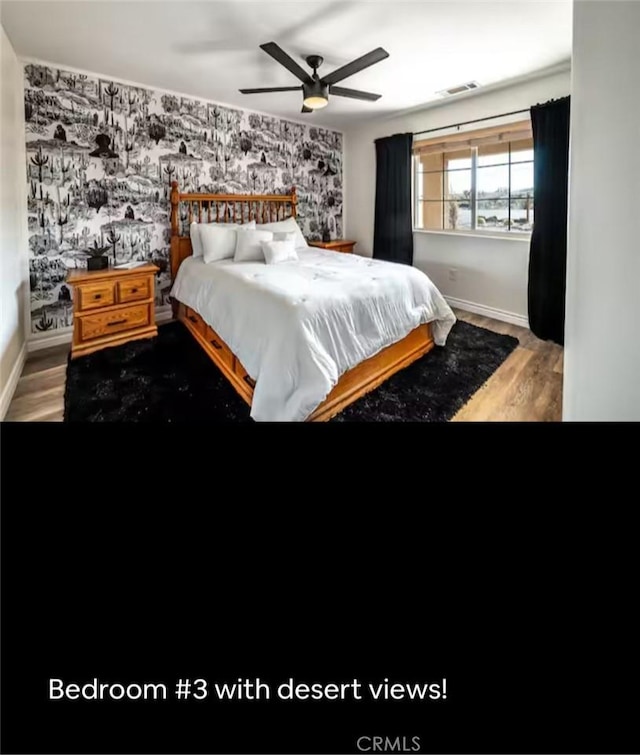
112	306
337	245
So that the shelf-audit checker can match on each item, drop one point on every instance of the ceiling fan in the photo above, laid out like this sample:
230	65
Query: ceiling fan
316	90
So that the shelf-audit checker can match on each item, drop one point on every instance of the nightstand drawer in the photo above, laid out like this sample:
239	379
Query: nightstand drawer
220	347
107	323
133	289
93	295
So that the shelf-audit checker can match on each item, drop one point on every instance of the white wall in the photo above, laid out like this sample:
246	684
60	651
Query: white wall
13	213
490	272
602	340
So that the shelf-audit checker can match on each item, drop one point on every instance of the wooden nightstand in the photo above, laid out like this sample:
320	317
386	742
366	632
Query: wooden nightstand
111	307
337	245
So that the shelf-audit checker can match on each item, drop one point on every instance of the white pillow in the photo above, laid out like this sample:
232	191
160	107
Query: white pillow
249	245
289	225
196	244
279	251
285	236
218	242
194	232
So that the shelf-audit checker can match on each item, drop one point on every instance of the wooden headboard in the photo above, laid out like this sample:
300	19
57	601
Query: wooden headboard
222	208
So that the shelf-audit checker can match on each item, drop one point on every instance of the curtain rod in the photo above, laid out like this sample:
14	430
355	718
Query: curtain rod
476	120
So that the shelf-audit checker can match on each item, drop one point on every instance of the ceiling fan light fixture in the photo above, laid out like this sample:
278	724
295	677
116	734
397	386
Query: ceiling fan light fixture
315	103
316	95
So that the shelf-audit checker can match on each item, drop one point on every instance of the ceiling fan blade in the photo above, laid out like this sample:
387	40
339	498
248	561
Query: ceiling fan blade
276	52
269	89
306	109
356	94
375	56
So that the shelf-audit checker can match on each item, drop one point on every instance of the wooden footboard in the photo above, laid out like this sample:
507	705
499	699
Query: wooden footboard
369	374
353	384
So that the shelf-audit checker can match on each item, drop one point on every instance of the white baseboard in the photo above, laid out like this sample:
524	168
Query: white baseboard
46	342
481	309
12	383
163	314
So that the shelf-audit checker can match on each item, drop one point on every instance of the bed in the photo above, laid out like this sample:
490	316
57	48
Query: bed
344	323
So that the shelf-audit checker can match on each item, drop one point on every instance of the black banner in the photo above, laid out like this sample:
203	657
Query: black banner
202	602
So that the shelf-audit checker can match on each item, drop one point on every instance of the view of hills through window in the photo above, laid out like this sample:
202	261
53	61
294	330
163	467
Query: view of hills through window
478	188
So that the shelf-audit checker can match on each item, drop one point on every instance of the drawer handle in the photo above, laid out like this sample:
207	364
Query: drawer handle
97	296
193	318
215	344
249	381
116	322
134	290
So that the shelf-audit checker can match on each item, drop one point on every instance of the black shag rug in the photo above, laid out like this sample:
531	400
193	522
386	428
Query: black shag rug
170	379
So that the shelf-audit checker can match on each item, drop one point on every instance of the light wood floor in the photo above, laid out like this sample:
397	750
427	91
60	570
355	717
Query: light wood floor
526	387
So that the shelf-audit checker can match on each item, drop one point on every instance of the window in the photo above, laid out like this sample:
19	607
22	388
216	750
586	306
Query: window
476	181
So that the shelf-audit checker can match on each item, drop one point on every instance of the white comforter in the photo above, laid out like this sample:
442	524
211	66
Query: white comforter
297	326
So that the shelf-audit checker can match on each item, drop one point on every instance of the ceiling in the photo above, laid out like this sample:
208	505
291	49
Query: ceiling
210	49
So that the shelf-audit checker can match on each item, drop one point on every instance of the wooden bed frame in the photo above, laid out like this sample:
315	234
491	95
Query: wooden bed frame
268	208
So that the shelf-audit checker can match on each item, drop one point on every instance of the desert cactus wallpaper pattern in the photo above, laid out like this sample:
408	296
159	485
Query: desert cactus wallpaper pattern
101	157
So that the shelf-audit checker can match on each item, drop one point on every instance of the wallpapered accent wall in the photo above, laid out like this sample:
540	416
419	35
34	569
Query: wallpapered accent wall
101	157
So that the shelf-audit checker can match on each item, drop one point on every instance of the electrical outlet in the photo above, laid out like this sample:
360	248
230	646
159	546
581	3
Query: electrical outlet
453	273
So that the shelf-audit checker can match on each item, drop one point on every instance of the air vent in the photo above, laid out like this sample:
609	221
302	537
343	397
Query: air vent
459	89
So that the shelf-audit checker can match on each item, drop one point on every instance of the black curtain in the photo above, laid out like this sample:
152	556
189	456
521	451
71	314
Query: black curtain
393	231
548	254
